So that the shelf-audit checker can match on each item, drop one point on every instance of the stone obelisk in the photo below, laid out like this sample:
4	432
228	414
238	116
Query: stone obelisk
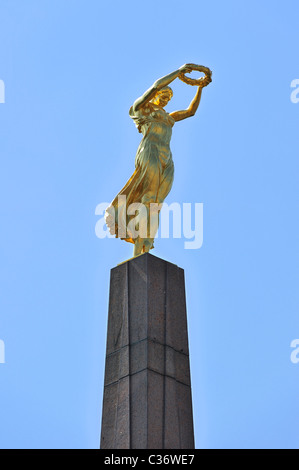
147	392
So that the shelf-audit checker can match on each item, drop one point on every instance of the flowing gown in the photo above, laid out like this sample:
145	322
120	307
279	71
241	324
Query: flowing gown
154	170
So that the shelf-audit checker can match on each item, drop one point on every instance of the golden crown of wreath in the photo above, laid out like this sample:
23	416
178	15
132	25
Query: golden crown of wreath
198	81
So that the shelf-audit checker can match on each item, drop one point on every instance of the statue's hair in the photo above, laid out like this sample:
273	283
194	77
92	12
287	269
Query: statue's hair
166	88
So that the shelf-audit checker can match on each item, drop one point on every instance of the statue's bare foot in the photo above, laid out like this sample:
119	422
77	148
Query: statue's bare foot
147	245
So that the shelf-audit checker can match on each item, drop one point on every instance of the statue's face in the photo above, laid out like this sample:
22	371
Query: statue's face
163	98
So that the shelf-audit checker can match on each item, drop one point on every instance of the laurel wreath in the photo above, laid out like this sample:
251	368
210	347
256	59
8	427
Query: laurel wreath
197	81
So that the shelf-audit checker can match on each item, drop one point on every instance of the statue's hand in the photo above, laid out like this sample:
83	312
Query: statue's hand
205	81
187	68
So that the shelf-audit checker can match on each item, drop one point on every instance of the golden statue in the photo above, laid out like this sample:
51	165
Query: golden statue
153	176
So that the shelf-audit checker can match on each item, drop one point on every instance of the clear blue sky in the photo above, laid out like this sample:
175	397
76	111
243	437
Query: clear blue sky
71	70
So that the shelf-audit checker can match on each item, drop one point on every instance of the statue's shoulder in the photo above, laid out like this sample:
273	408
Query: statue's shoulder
147	109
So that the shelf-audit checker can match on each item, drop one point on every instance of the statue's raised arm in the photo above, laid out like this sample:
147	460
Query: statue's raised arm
201	83
158	85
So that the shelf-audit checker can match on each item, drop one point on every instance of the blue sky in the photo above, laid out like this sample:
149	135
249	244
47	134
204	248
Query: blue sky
71	70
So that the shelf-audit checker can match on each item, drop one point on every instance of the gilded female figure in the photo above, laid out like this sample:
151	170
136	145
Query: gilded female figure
153	176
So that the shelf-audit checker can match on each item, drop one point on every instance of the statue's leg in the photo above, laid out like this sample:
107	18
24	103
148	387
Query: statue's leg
151	186
152	225
166	183
142	245
138	247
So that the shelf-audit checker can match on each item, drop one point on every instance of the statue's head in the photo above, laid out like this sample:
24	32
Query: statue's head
163	96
